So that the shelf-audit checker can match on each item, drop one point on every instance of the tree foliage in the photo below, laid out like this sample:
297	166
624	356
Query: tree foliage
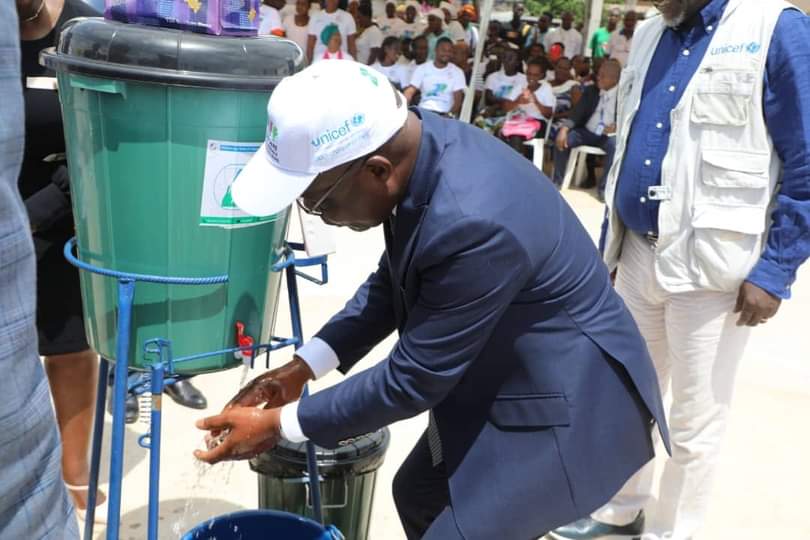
577	7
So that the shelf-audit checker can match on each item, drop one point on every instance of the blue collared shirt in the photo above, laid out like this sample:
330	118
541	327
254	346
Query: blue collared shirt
787	115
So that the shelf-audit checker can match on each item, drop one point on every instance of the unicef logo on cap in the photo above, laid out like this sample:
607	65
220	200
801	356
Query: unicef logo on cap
329	136
753	47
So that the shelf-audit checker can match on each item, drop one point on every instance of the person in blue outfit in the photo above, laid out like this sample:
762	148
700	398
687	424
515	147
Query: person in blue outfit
708	221
541	394
34	502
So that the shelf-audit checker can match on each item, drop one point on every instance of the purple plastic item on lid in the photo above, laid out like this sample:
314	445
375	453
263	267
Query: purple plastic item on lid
218	17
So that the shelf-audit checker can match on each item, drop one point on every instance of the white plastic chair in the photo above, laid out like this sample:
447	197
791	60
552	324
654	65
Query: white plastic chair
576	166
538	146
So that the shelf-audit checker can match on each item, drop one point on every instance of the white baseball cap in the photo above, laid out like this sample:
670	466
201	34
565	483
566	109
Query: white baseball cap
329	114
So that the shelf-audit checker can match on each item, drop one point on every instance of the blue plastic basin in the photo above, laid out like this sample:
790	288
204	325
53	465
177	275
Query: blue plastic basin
261	525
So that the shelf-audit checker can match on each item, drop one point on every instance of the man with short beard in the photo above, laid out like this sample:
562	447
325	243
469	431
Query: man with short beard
708	212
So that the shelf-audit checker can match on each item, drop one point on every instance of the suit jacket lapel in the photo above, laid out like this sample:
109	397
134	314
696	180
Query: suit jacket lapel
411	210
408	223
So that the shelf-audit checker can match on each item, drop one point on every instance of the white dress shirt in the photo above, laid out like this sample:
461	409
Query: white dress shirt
605	113
321	359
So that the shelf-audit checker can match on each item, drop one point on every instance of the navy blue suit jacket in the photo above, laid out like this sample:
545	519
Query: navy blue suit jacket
541	385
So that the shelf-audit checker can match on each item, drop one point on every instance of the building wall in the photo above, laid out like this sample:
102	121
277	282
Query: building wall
803	4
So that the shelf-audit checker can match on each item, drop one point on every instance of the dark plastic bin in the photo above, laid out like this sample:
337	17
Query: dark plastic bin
348	478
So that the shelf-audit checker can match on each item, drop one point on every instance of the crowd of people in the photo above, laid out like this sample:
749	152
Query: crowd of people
534	82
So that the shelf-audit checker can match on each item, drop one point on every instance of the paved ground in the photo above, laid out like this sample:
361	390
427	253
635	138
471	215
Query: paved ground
762	491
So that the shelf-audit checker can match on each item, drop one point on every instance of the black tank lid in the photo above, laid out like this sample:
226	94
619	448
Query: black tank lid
98	47
355	456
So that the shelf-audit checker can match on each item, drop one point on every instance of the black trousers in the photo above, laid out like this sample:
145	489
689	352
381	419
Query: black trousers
422	497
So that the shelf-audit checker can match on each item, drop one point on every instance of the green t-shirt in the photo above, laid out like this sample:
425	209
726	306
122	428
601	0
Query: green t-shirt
598	42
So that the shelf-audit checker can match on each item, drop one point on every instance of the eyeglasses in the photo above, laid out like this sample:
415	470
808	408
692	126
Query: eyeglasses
321	205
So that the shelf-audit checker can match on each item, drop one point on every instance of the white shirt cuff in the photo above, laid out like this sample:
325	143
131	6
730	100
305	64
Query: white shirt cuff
319	356
290	427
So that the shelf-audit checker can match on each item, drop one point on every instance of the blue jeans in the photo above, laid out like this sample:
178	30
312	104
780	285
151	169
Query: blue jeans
582	137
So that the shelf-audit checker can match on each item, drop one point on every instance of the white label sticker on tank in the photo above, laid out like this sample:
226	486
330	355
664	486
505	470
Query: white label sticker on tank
224	161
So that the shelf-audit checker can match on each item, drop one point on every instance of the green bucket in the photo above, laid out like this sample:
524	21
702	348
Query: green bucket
158	123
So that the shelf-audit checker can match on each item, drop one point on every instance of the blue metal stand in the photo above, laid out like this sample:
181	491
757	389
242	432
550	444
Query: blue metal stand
162	373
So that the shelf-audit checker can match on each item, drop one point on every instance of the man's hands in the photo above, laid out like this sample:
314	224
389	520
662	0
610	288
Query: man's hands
243	433
251	422
755	305
275	388
562	139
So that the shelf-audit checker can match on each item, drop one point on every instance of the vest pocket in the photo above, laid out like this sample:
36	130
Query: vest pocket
734	178
727	242
723	97
730	182
729	216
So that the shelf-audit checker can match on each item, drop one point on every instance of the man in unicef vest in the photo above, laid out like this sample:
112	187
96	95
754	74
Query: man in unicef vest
708	221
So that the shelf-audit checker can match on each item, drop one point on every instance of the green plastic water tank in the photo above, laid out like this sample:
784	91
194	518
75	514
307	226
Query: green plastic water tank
158	123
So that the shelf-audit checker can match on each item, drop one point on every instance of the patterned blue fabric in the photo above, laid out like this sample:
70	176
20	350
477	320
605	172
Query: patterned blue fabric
34	503
787	114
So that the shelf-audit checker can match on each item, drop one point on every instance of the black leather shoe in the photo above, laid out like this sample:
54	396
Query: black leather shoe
130	407
590	529
186	394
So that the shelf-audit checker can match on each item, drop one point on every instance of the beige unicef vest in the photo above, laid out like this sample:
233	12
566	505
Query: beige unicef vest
720	174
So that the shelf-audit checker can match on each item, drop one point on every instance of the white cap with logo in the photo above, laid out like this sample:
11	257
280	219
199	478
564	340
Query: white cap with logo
329	114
